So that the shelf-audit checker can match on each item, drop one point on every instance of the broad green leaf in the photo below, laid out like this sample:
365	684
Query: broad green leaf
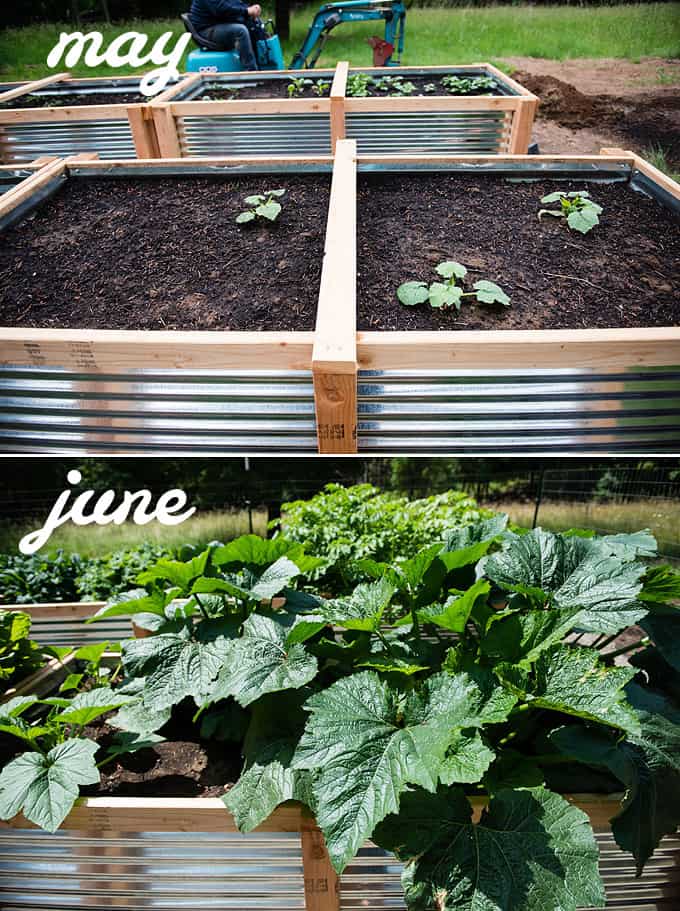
629	546
254	551
467	759
455	612
245	217
269	210
412	293
583	220
12	708
552	197
512	769
72	682
275	578
254	200
530	851
664	631
131	742
517	636
175	666
463	546
177	573
364	608
136	601
660	584
86	707
491	293
575	681
268	779
263	661
44	787
451	268
368	741
303	627
442	295
280	193
648	764
91	653
139	719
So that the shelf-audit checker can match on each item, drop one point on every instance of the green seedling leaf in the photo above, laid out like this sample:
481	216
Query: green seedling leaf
583	220
412	293
442	296
86	707
254	200
245	217
530	851
552	197
269	210
45	787
490	293
91	653
278	193
450	268
72	682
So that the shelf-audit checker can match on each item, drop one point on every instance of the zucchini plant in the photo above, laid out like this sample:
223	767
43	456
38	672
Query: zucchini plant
448	293
581	213
20	656
261	205
455	675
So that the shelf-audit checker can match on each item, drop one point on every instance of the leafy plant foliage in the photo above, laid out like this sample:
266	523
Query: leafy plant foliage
581	213
19	655
449	293
449	672
261	205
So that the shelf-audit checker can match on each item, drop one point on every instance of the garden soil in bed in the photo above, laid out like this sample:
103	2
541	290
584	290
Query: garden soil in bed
420	82
75	100
624	273
166	253
273	88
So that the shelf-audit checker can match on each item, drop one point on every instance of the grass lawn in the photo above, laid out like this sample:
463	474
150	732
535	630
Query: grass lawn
432	36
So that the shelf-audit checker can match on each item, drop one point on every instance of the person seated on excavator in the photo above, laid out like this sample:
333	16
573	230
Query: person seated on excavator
224	22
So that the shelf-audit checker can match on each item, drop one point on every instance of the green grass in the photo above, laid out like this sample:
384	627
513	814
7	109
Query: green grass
96	541
656	156
432	36
661	516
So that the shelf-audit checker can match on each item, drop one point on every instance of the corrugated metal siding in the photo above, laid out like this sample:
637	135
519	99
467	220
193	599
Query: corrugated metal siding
76	632
247	135
511	411
22	142
429	133
201	411
259	871
372	881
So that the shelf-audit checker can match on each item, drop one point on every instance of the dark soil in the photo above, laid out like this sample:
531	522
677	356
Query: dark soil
624	273
166	253
181	766
74	100
272	88
642	121
420	82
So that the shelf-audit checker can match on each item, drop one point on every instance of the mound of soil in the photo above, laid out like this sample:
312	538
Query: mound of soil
623	273
166	253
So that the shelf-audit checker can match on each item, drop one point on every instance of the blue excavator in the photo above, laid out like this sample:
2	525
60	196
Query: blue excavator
387	51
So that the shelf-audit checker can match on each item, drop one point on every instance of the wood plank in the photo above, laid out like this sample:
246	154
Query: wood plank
23	191
338	90
115	351
29	87
143	131
334	360
208	164
252	106
68	610
509	81
522	125
663	180
66	114
520	348
167	138
42	681
181	86
321	882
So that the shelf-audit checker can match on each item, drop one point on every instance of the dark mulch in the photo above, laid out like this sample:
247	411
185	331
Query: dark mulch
74	100
420	82
166	253
623	273
268	88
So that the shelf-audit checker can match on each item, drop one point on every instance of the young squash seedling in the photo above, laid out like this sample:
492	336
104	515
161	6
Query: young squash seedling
321	88
262	205
467	85
296	86
448	293
581	212
357	85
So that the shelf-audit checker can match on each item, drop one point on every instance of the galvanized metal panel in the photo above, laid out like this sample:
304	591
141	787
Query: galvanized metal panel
247	135
59	631
26	141
168	871
55	410
480	132
520	411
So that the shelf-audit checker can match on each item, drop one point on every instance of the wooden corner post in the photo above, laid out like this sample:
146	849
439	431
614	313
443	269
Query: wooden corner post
334	358
522	124
322	884
338	90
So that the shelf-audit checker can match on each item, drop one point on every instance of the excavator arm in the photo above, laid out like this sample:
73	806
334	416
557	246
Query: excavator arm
333	14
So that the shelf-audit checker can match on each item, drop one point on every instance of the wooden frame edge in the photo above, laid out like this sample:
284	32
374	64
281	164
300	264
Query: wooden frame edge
33	86
25	189
334	358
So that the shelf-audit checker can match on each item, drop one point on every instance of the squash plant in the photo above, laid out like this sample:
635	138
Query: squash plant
451	674
20	656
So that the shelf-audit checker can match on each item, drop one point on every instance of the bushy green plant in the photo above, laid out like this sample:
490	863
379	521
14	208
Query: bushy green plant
449	293
468	85
343	525
103	577
449	676
37	578
581	213
261	205
19	654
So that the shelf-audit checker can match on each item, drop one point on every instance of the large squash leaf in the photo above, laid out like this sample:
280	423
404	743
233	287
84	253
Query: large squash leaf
530	851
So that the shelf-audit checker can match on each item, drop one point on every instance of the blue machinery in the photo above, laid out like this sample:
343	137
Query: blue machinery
209	58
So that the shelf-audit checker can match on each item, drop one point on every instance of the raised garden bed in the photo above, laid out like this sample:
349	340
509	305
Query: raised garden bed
254	114
63	116
235	381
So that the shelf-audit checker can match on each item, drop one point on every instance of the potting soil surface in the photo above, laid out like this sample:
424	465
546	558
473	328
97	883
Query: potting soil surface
272	88
74	100
420	82
166	253
623	273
